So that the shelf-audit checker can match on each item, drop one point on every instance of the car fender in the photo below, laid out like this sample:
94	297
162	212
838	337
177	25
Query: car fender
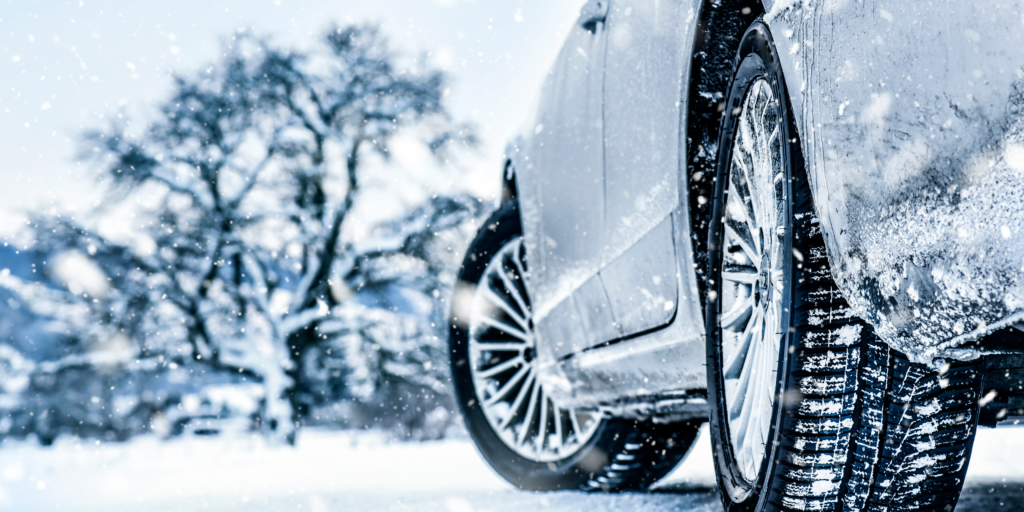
910	119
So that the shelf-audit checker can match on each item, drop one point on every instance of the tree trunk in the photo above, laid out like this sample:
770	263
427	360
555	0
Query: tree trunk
277	416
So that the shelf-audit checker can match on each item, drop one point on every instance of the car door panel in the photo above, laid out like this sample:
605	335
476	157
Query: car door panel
643	92
563	332
641	283
563	204
669	359
596	205
596	318
661	361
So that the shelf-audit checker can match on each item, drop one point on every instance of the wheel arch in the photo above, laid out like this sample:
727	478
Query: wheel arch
720	27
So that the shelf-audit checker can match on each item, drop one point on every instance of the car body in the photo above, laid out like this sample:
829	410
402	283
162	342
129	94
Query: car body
602	238
910	123
800	221
912	128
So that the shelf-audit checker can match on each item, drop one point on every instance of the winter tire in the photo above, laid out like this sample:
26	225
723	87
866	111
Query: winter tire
809	410
518	429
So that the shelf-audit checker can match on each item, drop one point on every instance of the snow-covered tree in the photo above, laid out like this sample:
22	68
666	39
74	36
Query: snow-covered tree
240	192
388	344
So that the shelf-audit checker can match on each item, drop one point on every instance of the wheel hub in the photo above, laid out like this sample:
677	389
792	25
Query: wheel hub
529	354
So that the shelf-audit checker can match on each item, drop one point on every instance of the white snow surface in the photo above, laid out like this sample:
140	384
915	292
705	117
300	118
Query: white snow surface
331	471
325	471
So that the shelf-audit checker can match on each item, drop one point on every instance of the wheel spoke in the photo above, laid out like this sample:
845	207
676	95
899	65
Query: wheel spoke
743	205
749	382
734	361
739	234
500	367
738	276
498	301
528	419
759	393
762	116
738	313
753	346
514	292
749	191
503	327
749	425
574	422
521	270
524	391
542	426
490	346
767	384
558	427
501	392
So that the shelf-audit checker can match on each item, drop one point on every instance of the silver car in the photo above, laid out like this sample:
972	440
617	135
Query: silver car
801	221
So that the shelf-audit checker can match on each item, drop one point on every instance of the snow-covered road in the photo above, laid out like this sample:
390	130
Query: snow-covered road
331	471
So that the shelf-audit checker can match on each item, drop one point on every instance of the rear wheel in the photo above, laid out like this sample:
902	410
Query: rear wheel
810	411
520	430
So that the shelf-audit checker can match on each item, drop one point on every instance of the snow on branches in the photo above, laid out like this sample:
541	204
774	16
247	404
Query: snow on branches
242	191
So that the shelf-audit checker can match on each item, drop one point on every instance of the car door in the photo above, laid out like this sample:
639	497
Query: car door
562	206
643	93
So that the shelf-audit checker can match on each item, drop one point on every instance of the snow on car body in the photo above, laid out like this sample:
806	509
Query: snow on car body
791	219
911	120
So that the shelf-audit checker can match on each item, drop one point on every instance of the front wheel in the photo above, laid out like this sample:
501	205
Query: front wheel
809	410
522	432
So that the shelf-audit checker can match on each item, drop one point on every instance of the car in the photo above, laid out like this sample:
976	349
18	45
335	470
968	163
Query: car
799	222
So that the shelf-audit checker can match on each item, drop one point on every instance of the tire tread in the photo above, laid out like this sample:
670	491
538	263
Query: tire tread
916	434
643	455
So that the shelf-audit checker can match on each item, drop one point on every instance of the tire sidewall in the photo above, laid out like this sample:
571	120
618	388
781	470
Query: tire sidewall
755	59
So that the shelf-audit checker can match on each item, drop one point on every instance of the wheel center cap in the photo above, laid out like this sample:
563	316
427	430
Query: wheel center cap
762	283
529	354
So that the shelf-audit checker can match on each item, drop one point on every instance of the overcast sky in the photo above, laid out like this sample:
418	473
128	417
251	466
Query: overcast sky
66	65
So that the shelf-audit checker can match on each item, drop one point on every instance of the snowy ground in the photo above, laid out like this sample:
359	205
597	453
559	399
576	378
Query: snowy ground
330	471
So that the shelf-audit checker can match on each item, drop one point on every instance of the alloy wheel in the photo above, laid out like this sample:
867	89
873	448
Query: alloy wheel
503	360
753	276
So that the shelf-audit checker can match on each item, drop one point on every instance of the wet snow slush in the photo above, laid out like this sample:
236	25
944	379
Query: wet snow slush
338	471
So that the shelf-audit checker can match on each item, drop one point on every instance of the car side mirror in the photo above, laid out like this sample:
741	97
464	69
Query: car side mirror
592	13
